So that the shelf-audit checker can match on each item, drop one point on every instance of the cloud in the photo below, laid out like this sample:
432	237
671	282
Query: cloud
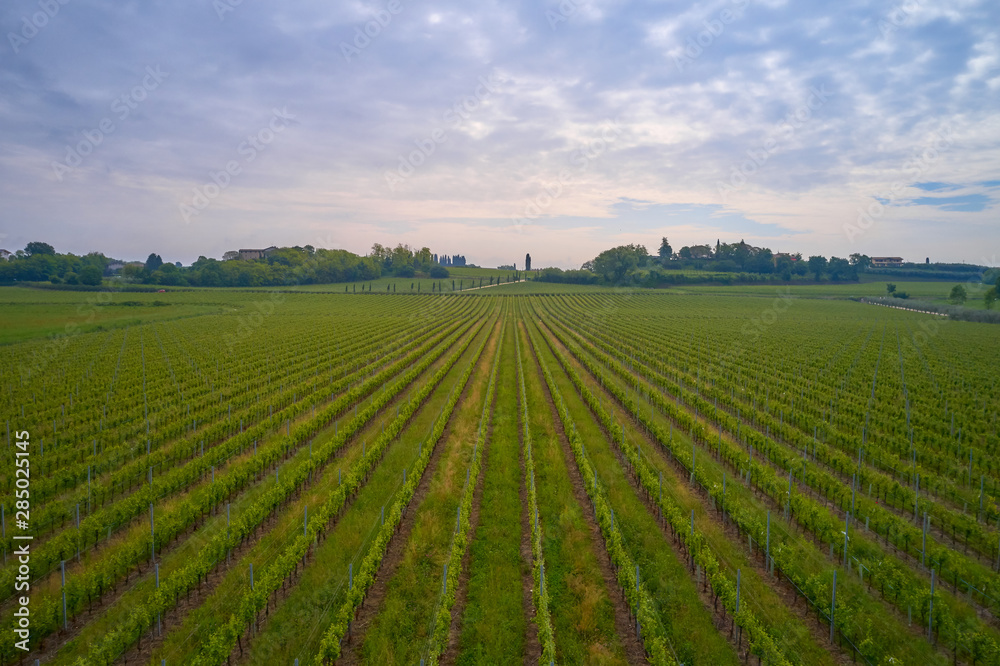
368	86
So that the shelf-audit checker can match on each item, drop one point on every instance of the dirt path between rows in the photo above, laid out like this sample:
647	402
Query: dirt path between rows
532	645
372	604
450	654
634	652
174	618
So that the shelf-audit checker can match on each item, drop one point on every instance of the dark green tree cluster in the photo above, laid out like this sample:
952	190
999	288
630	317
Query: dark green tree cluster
39	262
284	266
403	261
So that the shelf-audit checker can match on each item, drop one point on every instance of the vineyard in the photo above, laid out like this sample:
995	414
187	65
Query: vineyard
525	474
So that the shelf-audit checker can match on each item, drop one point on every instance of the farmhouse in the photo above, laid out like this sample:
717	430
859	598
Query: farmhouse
247	255
887	262
5	255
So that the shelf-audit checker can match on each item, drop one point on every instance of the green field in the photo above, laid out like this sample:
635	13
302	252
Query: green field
519	474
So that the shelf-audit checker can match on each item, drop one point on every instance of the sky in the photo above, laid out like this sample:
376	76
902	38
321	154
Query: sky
495	129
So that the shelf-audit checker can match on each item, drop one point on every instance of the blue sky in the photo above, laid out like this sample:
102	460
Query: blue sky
493	129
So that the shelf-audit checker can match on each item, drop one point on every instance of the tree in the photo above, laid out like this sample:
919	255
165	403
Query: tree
382	254
817	264
132	272
665	251
861	261
231	255
438	271
616	263
153	262
841	269
890	288
990	297
90	275
958	295
38	248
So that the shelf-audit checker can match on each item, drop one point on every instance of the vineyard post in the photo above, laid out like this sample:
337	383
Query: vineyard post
305	520
692	461
737	611
152	536
930	614
982	480
833	603
159	627
767	543
847	528
788	502
62	567
923	552
998	553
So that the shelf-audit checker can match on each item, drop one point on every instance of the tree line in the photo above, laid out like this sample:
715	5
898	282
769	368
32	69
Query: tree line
632	264
39	262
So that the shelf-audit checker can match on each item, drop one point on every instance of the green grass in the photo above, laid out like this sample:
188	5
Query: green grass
582	613
38	313
789	632
688	623
295	628
493	626
405	620
882	622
